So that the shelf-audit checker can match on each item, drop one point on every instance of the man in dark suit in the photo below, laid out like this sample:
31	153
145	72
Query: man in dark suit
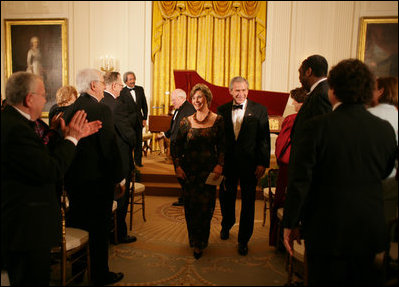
93	175
125	136
313	77
134	98
334	186
247	156
183	108
30	213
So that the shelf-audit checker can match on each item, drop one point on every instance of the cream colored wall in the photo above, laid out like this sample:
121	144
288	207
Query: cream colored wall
295	30
121	29
298	29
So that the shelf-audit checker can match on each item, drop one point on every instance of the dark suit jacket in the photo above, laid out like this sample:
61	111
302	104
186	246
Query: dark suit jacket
334	181
138	108
30	214
98	158
252	147
317	103
185	110
125	133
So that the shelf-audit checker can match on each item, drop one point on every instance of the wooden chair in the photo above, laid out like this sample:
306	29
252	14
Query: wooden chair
390	255
115	223
279	241
269	192
297	263
74	247
136	197
147	139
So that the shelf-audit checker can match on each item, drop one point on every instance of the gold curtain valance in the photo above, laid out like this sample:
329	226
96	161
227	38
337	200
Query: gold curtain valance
219	9
167	10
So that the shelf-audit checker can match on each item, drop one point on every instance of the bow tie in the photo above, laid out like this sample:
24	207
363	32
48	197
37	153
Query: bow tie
238	107
131	89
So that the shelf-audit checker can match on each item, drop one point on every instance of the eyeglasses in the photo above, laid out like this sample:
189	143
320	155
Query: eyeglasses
43	95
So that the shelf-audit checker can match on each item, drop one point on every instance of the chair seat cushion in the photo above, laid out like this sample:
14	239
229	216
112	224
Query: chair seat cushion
139	187
114	205
393	251
299	250
266	192
280	213
75	237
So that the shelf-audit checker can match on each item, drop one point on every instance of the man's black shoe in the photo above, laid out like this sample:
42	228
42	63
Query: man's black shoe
242	249
224	234
197	255
178	203
139	164
113	277
128	239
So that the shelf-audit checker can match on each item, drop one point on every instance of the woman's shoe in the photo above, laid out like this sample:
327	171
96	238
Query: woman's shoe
197	255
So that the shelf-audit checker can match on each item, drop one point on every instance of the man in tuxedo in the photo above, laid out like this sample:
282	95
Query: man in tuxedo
30	212
313	77
247	138
335	183
183	108
133	97
95	170
125	136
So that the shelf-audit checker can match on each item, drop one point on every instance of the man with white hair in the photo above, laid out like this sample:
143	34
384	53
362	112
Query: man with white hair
91	179
183	108
126	136
30	170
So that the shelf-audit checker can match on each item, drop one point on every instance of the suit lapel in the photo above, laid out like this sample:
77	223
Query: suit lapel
229	120
130	98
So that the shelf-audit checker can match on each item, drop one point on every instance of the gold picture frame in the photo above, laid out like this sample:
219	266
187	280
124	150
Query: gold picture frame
39	46
378	45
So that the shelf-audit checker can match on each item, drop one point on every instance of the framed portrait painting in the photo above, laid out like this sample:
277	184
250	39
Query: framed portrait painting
38	46
378	45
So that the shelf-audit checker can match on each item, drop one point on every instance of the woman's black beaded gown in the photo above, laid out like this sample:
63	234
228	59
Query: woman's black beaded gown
197	151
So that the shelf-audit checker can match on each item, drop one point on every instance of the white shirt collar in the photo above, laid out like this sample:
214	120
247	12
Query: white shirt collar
93	97
110	94
336	105
315	85
25	115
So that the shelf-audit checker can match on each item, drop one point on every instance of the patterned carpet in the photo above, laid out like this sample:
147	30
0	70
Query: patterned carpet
161	255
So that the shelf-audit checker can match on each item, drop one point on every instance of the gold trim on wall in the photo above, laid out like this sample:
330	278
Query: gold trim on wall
365	23
11	38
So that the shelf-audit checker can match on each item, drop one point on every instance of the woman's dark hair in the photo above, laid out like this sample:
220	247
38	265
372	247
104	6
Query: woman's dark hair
299	94
390	94
205	91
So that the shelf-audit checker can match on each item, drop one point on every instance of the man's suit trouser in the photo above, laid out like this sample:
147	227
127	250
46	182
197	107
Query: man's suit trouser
91	209
138	147
346	270
30	267
227	198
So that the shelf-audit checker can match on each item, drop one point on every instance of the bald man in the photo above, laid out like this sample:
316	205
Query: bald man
183	108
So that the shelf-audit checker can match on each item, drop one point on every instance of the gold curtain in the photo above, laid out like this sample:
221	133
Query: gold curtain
218	39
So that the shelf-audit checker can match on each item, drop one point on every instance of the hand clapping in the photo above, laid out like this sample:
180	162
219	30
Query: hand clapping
79	127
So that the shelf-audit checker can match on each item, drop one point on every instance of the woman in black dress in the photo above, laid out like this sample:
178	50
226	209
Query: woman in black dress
197	152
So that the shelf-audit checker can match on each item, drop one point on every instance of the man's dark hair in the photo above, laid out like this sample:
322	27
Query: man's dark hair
318	64
352	82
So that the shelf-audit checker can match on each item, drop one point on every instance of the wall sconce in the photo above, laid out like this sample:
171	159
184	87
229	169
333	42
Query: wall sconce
107	63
